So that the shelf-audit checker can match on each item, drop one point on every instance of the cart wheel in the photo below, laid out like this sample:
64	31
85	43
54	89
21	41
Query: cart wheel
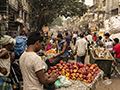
109	76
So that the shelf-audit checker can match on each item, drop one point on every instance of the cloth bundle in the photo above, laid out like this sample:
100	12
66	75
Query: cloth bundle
112	25
5	39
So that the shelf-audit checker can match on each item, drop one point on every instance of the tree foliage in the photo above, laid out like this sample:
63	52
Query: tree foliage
43	12
57	21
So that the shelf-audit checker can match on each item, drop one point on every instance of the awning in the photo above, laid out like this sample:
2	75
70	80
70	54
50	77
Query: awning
19	20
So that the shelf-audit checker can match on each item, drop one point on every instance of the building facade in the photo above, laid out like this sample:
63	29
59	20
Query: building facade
15	14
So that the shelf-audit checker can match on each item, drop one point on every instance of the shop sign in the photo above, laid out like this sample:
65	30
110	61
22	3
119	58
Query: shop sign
14	3
45	29
101	32
11	17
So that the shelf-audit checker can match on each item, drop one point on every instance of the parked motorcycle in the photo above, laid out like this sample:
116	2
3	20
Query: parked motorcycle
71	54
15	75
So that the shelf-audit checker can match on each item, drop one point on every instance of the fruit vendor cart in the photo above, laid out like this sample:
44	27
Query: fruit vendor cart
83	77
103	63
79	85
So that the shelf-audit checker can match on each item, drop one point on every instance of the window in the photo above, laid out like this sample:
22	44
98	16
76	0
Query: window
114	12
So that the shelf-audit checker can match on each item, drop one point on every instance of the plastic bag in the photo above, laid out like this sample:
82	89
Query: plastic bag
63	82
109	45
112	25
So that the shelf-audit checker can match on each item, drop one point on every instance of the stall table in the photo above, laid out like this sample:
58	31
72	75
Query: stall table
79	85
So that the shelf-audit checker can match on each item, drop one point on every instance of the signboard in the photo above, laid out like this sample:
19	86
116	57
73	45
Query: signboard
45	29
101	32
11	17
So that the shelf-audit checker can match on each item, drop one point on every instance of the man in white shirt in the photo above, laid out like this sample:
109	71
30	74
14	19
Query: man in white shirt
89	41
74	37
31	65
89	38
81	49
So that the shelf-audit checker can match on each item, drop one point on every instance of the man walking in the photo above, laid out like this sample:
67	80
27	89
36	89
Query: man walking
68	39
74	38
81	49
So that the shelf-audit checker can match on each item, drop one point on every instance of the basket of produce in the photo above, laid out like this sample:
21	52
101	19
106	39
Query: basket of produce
81	76
50	51
76	71
103	59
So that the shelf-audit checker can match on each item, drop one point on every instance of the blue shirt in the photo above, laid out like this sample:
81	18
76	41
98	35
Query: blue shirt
79	38
61	47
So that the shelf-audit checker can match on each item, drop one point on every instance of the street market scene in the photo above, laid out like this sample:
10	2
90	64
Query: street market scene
59	44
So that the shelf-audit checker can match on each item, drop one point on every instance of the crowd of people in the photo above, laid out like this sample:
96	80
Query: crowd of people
31	64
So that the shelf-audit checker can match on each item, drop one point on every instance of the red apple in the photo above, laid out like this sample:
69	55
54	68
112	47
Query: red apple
52	68
72	63
85	73
94	70
66	67
61	62
95	75
71	71
54	71
92	73
81	65
87	68
59	72
81	79
75	67
77	74
49	71
74	78
95	65
80	75
85	80
46	74
75	70
68	64
90	81
88	64
78	71
55	67
64	62
89	76
77	64
58	65
91	68
99	70
67	70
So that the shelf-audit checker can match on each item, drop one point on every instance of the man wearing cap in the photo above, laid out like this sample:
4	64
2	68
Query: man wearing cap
7	43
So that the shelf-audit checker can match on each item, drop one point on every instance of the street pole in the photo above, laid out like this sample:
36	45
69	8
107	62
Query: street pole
108	9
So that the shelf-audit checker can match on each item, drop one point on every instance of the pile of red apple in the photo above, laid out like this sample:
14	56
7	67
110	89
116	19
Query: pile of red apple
76	71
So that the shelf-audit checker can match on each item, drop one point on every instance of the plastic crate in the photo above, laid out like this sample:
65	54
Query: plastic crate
103	64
